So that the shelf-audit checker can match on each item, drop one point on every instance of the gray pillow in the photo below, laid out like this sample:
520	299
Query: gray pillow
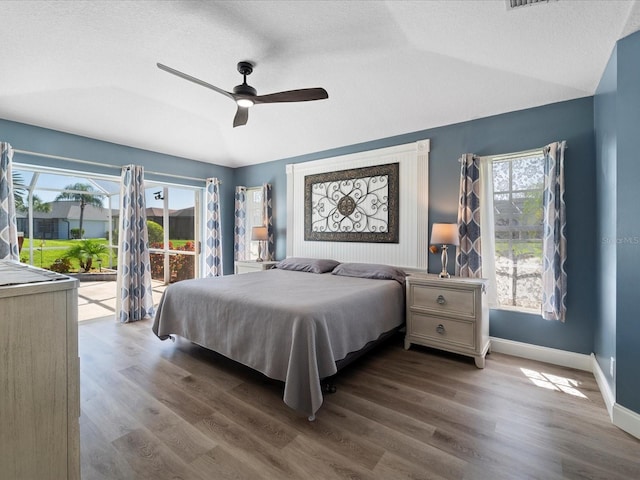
370	270
313	265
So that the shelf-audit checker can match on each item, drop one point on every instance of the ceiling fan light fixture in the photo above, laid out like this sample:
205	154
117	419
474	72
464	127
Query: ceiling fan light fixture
244	102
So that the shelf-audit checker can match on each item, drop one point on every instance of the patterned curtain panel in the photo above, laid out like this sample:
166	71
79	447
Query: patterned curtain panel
135	301
268	220
468	256
554	240
8	229
213	236
240	227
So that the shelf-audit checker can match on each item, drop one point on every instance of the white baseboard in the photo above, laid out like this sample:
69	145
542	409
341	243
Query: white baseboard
563	358
603	385
621	417
626	419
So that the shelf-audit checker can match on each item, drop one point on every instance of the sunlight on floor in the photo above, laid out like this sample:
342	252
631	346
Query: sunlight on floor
554	382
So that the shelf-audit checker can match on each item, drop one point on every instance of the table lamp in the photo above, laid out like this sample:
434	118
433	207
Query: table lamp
260	234
444	234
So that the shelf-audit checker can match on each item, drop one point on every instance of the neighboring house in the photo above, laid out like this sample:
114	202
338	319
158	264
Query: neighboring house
64	216
155	215
181	222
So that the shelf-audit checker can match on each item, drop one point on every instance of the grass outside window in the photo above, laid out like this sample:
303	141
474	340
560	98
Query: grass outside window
53	249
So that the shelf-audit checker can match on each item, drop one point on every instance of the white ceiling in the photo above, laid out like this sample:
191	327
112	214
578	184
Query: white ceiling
390	67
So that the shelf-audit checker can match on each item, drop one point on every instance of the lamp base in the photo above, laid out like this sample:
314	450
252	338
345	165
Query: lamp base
259	259
445	258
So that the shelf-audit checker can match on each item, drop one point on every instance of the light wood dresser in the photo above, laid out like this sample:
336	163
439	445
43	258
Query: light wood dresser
39	374
449	314
246	266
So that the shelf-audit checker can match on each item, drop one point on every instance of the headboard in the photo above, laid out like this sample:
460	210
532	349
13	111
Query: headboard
411	251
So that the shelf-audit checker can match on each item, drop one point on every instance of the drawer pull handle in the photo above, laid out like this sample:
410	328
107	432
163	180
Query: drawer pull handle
441	300
440	329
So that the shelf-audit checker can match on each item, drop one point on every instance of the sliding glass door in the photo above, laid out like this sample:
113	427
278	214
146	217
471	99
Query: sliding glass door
173	224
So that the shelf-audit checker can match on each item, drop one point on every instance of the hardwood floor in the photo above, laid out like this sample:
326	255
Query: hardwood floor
163	410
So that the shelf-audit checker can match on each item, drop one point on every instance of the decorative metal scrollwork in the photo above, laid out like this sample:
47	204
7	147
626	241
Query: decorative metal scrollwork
357	205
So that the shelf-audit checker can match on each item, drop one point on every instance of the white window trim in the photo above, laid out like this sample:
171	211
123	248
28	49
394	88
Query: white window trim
489	240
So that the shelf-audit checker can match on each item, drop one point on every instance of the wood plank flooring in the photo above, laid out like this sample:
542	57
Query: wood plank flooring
163	410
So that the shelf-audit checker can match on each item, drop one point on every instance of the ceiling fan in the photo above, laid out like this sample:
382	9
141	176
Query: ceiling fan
246	96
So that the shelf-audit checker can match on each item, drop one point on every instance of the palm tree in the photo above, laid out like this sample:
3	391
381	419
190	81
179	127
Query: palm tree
19	188
19	192
86	252
74	194
36	201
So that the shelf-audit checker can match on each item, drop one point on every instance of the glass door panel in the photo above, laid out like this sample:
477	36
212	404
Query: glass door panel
172	223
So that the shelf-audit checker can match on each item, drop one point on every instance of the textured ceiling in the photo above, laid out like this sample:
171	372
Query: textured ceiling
393	67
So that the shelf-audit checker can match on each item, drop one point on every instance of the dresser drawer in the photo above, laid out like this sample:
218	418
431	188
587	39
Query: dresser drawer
442	300
442	329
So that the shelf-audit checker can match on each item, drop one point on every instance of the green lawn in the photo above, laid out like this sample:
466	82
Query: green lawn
54	249
48	251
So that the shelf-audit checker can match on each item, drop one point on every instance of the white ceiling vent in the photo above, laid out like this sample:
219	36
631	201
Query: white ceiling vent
513	4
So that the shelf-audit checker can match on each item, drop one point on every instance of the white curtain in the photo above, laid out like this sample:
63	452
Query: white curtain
8	229
213	234
554	240
487	230
135	300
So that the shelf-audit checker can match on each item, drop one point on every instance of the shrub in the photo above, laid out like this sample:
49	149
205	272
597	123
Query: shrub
61	265
75	233
155	231
85	252
181	267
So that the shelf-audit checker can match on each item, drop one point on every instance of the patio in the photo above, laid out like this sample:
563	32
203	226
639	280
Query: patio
98	299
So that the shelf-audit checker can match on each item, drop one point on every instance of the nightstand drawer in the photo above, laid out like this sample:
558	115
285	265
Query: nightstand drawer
442	300
442	330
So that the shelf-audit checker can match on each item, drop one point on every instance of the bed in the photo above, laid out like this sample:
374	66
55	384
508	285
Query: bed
294	326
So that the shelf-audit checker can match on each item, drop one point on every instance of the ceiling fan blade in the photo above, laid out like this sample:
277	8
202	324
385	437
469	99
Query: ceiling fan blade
194	80
302	95
242	115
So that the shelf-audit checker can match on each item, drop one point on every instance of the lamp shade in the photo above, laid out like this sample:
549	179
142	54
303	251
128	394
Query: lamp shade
445	234
259	233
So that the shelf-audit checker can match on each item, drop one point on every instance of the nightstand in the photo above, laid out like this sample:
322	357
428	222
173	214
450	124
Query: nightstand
450	314
246	266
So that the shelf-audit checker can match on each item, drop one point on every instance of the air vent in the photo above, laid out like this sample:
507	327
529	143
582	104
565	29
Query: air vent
513	4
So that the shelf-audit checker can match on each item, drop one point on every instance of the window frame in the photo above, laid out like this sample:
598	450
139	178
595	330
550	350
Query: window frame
251	246
493	159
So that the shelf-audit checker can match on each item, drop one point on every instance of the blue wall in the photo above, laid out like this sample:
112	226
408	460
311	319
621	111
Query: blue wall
35	139
605	125
523	130
616	121
628	223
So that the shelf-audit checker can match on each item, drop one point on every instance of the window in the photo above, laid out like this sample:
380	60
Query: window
255	218
517	210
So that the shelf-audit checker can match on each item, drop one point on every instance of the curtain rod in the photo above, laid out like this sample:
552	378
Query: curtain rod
88	162
524	153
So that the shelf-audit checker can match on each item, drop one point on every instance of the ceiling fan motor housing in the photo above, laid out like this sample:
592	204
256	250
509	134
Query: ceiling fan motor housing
245	89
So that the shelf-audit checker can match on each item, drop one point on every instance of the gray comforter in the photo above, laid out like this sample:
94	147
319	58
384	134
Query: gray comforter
291	326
